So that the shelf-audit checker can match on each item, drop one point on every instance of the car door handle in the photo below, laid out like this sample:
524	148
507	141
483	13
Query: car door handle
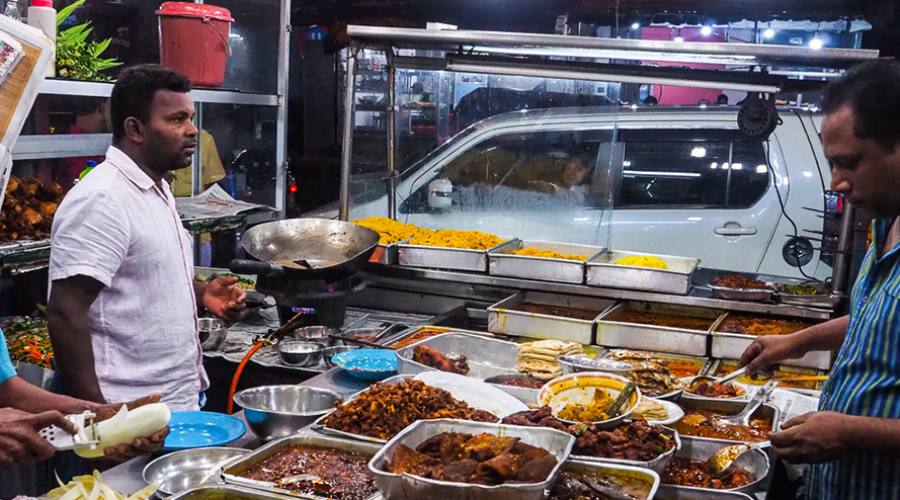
735	231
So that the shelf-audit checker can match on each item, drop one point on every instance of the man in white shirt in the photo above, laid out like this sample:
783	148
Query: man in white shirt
123	299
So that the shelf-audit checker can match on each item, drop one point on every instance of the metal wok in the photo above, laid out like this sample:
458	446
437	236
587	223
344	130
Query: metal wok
306	249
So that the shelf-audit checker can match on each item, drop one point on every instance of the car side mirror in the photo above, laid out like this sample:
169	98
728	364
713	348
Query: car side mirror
440	194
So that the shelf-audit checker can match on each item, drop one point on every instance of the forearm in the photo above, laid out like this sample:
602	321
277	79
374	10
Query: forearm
74	354
827	336
872	434
19	394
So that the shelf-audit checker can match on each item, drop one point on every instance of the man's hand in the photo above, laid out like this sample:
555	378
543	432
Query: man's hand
224	298
812	438
769	350
140	446
19	438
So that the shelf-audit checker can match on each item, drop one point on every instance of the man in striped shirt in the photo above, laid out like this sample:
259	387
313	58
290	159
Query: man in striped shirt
854	439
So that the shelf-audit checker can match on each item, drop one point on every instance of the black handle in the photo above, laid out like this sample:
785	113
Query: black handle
242	266
257	299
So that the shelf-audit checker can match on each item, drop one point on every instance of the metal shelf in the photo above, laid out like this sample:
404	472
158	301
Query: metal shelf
40	147
213	96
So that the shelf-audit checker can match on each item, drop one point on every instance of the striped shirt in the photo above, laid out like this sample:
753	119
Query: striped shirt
865	378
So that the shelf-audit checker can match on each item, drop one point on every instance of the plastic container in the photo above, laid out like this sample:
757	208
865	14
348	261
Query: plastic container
193	39
42	16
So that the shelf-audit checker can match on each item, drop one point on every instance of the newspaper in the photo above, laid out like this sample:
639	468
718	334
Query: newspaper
792	404
213	203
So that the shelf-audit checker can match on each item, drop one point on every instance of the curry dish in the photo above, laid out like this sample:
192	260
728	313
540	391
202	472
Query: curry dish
727	367
651	373
412	338
738	281
597	485
344	475
660	319
703	423
386	409
562	311
481	459
594	411
746	324
686	472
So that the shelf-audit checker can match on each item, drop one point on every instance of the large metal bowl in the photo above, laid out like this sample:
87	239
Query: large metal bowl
275	411
318	334
300	353
186	469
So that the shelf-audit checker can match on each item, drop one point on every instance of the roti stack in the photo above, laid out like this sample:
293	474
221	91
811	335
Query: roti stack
538	359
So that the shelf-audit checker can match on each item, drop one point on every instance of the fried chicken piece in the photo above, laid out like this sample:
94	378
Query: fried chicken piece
430	357
485	446
31	217
410	461
48	208
13	185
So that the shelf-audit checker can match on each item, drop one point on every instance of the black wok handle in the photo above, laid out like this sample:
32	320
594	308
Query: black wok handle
242	266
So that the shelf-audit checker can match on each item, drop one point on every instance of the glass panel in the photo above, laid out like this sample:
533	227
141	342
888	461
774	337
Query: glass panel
749	174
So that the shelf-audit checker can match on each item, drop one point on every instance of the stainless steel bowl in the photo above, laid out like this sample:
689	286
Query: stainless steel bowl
212	332
275	411
320	334
186	469
328	352
300	353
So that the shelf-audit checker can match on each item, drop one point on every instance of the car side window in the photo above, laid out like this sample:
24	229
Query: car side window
663	171
749	174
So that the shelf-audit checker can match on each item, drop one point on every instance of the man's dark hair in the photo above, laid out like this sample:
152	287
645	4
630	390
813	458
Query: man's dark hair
133	93
86	105
872	90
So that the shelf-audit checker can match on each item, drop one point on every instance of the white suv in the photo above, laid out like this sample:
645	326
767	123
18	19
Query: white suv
679	181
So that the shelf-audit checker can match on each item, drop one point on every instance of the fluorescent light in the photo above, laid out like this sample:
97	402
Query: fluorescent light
635	26
698	152
737	166
714	165
816	43
678	39
654	173
706	31
769	34
761	169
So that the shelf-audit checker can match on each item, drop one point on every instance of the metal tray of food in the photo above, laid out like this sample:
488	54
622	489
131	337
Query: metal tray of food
649	477
698	366
319	426
457	259
754	461
427	331
721	367
746	294
613	330
675	280
231	474
657	465
672	493
726	407
508	318
486	357
726	345
405	486
220	492
505	262
822	296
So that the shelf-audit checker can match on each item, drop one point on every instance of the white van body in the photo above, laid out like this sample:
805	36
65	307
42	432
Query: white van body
625	212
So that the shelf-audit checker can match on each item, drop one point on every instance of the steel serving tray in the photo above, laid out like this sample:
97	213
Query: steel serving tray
504	262
457	259
748	294
406	486
612	331
676	279
672	493
389	341
732	345
319	425
704	363
649	476
220	492
726	407
231	474
657	465
732	365
754	461
486	357
503	317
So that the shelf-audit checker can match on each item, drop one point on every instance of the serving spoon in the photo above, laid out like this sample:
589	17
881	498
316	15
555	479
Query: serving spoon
721	460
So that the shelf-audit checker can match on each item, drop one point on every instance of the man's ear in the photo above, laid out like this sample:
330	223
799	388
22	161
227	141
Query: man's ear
134	130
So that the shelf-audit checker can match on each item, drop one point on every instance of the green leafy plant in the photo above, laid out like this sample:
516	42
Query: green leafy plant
77	57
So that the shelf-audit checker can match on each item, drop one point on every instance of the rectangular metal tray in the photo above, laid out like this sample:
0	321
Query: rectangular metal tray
657	465
503	262
754	461
726	407
704	362
222	491
457	259
405	486
319	426
574	465
486	357
230	474
674	493
816	392
675	280
387	341
504	318
732	346
611	332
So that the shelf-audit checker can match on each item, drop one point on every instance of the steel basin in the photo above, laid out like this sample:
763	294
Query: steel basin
275	411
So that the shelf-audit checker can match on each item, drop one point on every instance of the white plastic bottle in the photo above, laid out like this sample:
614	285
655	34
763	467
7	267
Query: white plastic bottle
42	16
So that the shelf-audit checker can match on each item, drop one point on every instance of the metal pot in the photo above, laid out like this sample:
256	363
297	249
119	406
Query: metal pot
275	411
212	333
300	353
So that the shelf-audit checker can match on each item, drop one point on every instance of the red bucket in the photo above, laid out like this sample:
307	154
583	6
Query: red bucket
193	39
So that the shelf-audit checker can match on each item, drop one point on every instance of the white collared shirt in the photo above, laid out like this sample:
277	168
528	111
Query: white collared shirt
120	228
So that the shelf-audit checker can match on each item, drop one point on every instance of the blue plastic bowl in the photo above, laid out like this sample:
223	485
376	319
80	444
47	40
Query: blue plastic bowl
199	429
367	364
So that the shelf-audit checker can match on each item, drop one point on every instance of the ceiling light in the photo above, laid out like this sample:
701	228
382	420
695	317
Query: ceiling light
816	43
761	169
698	152
769	34
714	165
736	166
678	39
706	31
635	26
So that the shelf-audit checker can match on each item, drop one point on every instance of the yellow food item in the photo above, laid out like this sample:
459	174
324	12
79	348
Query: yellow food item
592	412
454	238
550	254
389	230
650	409
93	488
642	261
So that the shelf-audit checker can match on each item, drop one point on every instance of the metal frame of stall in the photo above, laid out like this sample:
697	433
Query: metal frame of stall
527	54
